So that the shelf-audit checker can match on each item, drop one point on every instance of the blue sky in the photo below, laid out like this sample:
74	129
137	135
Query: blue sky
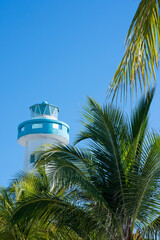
60	51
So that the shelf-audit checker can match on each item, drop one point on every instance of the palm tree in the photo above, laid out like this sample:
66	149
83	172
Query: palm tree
7	231
142	51
23	186
110	188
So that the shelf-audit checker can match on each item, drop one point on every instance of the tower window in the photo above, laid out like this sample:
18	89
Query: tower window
32	158
55	125
22	129
37	125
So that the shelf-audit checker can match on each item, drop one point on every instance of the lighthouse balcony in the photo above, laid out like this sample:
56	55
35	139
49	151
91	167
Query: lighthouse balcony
43	126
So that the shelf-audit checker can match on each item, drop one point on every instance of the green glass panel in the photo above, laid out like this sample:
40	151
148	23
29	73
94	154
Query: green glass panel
32	158
38	110
47	112
33	109
52	110
42	108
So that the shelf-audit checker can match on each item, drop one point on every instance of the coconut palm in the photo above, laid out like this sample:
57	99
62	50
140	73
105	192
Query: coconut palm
142	51
21	230
23	186
110	188
7	231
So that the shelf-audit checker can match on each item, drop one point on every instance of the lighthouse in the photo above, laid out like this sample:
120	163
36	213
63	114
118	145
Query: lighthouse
43	127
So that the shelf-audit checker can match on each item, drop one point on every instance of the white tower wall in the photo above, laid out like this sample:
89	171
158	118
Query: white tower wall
36	143
40	130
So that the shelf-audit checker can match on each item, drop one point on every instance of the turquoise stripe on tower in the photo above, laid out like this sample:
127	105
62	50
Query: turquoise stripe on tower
43	127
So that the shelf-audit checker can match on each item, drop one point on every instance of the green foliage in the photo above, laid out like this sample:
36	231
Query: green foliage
110	189
22	188
142	51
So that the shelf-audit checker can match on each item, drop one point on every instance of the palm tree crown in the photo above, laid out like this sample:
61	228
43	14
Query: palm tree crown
111	188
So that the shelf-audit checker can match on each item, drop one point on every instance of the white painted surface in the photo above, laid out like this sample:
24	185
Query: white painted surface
23	140
35	142
44	117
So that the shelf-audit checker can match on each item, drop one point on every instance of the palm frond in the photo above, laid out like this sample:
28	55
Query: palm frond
109	190
138	128
142	51
140	114
106	131
66	166
145	182
50	209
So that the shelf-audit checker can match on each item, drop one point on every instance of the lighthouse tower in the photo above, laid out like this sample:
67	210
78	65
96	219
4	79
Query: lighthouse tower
43	127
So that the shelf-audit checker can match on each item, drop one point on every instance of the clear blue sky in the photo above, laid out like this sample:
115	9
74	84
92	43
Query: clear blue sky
58	51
